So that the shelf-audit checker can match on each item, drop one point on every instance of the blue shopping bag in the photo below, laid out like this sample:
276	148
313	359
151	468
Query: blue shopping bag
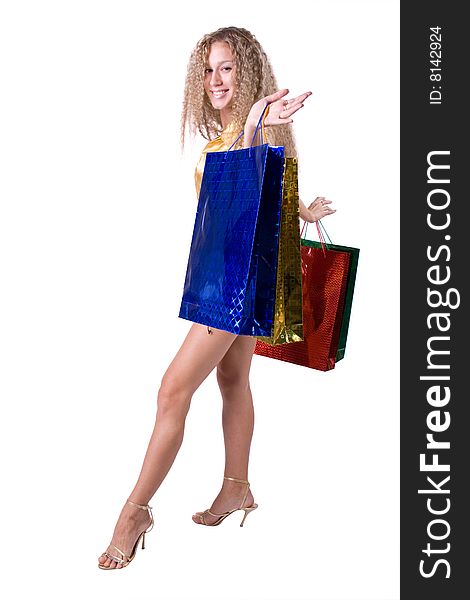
230	279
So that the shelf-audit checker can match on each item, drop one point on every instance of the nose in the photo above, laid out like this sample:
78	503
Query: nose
216	79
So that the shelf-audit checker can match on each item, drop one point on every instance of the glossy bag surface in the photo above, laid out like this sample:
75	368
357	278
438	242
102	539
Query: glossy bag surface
288	325
230	281
348	298
326	273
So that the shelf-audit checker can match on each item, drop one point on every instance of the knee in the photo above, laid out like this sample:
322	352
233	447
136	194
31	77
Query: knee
231	381
173	399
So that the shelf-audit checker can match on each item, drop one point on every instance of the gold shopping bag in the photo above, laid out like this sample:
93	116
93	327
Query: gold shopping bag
288	325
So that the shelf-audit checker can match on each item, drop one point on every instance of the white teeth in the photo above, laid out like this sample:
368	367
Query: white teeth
219	94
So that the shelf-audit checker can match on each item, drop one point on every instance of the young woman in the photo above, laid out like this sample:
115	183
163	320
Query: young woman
229	82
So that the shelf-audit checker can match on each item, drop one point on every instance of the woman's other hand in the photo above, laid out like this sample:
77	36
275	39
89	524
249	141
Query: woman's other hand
317	210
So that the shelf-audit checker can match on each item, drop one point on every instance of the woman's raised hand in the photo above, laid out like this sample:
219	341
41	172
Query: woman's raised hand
280	109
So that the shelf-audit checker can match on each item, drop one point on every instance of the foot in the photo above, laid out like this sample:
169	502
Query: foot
132	521
229	497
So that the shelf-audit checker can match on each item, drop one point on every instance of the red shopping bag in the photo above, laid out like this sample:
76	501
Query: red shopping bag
325	270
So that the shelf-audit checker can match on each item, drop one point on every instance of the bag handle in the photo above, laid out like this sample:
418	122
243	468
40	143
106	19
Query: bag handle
260	121
263	116
321	234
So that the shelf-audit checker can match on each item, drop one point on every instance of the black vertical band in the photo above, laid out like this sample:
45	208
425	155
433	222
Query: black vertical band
435	357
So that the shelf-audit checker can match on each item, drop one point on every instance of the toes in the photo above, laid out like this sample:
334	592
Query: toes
103	560
109	563
209	519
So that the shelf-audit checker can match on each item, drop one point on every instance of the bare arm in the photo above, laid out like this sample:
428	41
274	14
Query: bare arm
304	212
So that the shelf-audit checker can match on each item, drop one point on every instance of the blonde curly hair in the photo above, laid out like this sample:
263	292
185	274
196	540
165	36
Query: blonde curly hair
254	78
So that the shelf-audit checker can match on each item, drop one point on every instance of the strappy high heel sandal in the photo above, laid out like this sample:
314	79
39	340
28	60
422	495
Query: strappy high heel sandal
124	560
224	515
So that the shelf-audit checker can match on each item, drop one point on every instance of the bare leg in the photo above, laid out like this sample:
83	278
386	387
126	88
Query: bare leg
238	422
196	358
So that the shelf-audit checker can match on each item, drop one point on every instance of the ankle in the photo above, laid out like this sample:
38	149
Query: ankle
239	480
239	484
133	501
134	513
233	488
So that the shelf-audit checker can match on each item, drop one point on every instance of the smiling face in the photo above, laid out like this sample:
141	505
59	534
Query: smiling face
219	79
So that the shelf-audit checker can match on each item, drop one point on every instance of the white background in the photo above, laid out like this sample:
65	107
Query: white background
97	210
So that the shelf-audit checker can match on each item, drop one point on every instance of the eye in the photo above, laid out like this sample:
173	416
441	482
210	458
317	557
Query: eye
227	68
207	70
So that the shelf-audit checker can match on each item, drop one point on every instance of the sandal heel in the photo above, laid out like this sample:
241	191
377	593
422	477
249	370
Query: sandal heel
247	511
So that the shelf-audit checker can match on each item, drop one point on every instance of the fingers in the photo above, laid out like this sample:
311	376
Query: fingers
292	106
302	97
320	200
293	102
277	95
281	109
324	212
289	110
285	114
320	207
297	101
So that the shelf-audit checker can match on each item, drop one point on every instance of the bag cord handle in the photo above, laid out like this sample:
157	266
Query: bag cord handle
263	116
321	234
